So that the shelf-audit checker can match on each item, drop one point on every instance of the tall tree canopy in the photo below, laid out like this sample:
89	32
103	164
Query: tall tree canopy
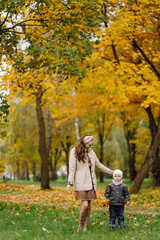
58	36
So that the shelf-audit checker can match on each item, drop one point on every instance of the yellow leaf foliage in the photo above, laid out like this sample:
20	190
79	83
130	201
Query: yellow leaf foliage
119	72
59	197
2	167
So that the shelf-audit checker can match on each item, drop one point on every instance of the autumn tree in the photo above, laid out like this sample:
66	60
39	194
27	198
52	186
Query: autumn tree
2	167
67	137
124	68
10	31
130	120
19	148
135	55
4	112
58	35
100	122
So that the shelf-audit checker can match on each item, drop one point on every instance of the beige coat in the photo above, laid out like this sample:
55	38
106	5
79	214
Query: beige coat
79	173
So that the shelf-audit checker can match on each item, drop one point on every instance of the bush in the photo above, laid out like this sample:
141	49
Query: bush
38	177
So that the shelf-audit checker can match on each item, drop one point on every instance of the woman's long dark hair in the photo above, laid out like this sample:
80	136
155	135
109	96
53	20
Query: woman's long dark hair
80	149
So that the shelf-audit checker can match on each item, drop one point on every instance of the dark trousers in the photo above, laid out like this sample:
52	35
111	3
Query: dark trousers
116	212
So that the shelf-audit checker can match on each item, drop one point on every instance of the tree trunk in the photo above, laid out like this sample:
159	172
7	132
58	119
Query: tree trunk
22	175
53	167
130	136
49	133
50	165
101	158
101	130
34	170
150	158
27	171
76	119
56	157
156	170
18	171
66	150
67	160
49	143
77	128
132	168
102	135
42	144
156	164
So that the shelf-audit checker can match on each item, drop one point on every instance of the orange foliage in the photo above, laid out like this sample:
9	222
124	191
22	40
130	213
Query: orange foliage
59	197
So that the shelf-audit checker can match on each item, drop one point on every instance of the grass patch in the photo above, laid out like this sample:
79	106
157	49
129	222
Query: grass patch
147	199
62	183
147	183
12	192
37	223
56	183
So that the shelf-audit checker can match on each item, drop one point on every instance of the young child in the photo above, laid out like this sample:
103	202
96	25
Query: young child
117	194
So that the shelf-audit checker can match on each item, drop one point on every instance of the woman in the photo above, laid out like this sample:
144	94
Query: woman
82	164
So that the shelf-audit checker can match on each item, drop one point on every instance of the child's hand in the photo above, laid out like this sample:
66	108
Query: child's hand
127	203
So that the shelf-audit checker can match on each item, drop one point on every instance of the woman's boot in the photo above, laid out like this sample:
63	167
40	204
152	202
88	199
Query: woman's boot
81	220
86	221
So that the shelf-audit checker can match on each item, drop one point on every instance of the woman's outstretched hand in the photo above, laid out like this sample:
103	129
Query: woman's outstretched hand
68	189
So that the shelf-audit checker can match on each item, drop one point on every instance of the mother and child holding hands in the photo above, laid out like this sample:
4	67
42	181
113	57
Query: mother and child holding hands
82	175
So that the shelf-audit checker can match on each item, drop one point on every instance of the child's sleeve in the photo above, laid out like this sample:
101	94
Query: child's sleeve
107	192
126	194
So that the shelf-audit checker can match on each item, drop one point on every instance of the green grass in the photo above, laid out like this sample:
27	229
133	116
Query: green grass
56	183
62	183
146	183
41	223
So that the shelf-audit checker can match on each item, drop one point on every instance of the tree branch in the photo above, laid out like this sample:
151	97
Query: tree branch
115	53
4	20
146	58
153	127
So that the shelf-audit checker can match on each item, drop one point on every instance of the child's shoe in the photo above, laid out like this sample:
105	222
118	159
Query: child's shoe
112	227
122	227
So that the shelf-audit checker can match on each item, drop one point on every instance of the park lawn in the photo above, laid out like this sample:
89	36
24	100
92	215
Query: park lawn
62	183
18	221
147	199
55	183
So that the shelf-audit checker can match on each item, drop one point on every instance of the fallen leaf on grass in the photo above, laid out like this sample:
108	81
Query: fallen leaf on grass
94	223
136	224
149	220
45	230
58	197
101	223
